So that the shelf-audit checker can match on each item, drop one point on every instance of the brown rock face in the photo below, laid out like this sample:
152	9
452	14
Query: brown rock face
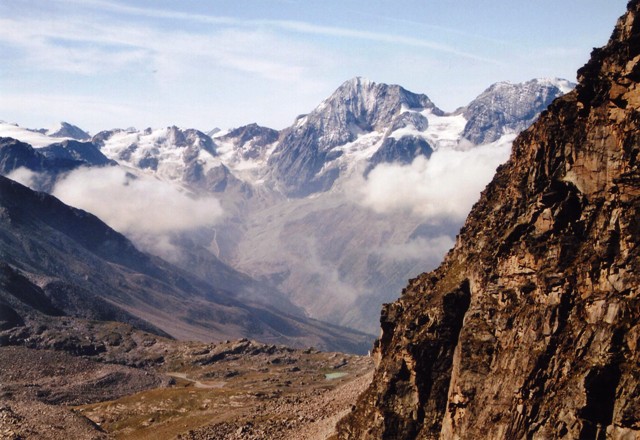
531	326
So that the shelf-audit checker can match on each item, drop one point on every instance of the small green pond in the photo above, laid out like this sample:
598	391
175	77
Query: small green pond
331	376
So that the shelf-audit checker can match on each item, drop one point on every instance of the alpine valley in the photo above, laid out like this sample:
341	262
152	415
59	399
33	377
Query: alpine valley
226	284
324	220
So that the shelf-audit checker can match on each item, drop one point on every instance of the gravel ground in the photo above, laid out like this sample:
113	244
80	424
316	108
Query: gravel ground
36	387
310	415
231	390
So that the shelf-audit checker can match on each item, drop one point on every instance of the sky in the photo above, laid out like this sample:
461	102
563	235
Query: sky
103	64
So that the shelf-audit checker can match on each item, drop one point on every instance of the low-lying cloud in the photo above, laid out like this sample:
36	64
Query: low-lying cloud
24	176
427	249
445	186
147	210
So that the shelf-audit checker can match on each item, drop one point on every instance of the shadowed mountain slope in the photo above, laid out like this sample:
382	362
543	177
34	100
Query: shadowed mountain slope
59	260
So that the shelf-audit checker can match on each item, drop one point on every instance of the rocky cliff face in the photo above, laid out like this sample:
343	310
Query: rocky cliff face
530	327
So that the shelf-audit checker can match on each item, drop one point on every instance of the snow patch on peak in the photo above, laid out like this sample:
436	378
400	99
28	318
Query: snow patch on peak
444	131
166	152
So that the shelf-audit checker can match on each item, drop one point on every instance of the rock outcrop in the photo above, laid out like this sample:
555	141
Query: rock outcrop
530	328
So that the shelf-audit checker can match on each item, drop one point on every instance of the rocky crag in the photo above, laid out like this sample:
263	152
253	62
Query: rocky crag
530	327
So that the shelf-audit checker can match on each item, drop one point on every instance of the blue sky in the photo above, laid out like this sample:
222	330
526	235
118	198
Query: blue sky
104	64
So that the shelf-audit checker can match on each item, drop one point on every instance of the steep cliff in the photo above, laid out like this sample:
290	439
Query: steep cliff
530	328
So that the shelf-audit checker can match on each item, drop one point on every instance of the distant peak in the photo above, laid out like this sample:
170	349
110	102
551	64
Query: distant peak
548	82
64	129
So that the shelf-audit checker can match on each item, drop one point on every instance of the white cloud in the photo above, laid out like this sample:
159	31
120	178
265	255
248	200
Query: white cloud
300	27
89	47
145	209
444	186
429	249
24	176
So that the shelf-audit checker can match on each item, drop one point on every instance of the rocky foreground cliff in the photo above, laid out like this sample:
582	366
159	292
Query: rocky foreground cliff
530	327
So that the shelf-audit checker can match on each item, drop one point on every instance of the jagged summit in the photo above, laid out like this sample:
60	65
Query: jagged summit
529	328
361	105
357	107
172	153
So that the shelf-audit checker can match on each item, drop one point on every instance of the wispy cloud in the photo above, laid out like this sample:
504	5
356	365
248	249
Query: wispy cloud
299	27
76	47
88	47
308	28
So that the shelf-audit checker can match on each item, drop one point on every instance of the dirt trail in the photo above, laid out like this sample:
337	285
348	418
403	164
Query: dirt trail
197	383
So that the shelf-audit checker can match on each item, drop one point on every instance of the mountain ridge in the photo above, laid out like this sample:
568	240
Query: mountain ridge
44	237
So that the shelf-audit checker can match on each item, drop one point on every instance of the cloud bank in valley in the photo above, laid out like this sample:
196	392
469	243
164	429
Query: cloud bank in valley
443	187
427	249
147	210
24	176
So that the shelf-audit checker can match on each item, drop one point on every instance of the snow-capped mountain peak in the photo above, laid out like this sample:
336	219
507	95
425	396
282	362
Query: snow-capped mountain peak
66	130
35	138
165	151
360	106
506	107
357	108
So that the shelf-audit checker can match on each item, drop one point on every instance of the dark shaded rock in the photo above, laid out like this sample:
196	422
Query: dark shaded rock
9	318
402	151
85	152
48	163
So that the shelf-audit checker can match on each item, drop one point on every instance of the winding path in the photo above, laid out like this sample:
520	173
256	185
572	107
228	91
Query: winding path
197	383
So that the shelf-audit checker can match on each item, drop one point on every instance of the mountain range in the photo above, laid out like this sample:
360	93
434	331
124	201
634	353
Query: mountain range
293	217
529	327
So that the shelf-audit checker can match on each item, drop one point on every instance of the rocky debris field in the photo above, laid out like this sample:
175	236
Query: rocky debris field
72	378
238	389
22	420
309	415
59	378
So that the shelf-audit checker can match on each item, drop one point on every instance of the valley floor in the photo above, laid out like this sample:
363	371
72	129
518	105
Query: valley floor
232	390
